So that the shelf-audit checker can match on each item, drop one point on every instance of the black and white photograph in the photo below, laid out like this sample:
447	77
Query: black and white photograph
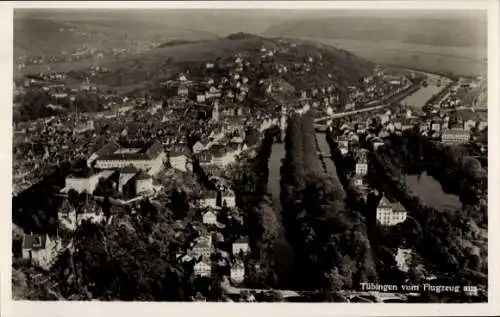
251	155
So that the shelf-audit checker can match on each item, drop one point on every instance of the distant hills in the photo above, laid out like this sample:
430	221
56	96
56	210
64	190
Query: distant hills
428	31
35	36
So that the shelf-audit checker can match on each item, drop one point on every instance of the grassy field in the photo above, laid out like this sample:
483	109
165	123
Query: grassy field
430	191
466	61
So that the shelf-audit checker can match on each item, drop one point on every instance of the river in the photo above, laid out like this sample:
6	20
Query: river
419	98
283	250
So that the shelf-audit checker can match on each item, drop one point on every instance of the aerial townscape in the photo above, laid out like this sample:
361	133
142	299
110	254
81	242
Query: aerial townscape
247	167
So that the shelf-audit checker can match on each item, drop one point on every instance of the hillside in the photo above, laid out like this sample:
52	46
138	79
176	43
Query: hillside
149	68
36	36
463	32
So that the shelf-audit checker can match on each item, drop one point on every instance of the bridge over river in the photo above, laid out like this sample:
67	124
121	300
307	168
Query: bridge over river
377	105
375	296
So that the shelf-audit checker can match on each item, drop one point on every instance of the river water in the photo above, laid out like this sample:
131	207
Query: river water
283	250
419	98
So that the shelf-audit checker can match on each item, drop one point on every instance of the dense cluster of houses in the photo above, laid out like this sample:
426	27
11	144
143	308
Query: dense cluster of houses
210	251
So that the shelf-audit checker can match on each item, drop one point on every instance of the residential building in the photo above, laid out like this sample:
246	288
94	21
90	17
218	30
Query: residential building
455	136
202	247
182	91
200	97
208	200
377	143
390	214
213	93
469	125
397	125
203	268
40	249
241	245
205	158
237	272
200	146
403	259
210	217
178	157
124	176
215	113
228	199
407	124
84	126
224	156
359	182
343	143
384	118
143	183
435	126
482	125
361	163
71	220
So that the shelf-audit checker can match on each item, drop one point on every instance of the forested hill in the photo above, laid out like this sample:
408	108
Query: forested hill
166	62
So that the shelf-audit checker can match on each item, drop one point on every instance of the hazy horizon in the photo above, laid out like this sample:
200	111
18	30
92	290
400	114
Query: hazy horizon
226	21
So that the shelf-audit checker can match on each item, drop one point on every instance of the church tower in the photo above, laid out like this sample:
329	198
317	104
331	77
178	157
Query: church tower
215	112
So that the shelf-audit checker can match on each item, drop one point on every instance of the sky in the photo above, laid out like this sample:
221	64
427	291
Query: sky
255	21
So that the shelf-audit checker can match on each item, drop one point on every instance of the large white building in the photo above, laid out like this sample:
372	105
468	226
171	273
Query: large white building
149	158
455	136
390	214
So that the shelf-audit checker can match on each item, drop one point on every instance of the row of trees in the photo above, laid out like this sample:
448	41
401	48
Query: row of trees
452	243
331	247
384	241
250	186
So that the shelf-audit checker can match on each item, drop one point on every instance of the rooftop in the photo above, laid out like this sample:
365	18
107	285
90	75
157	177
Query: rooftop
114	151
